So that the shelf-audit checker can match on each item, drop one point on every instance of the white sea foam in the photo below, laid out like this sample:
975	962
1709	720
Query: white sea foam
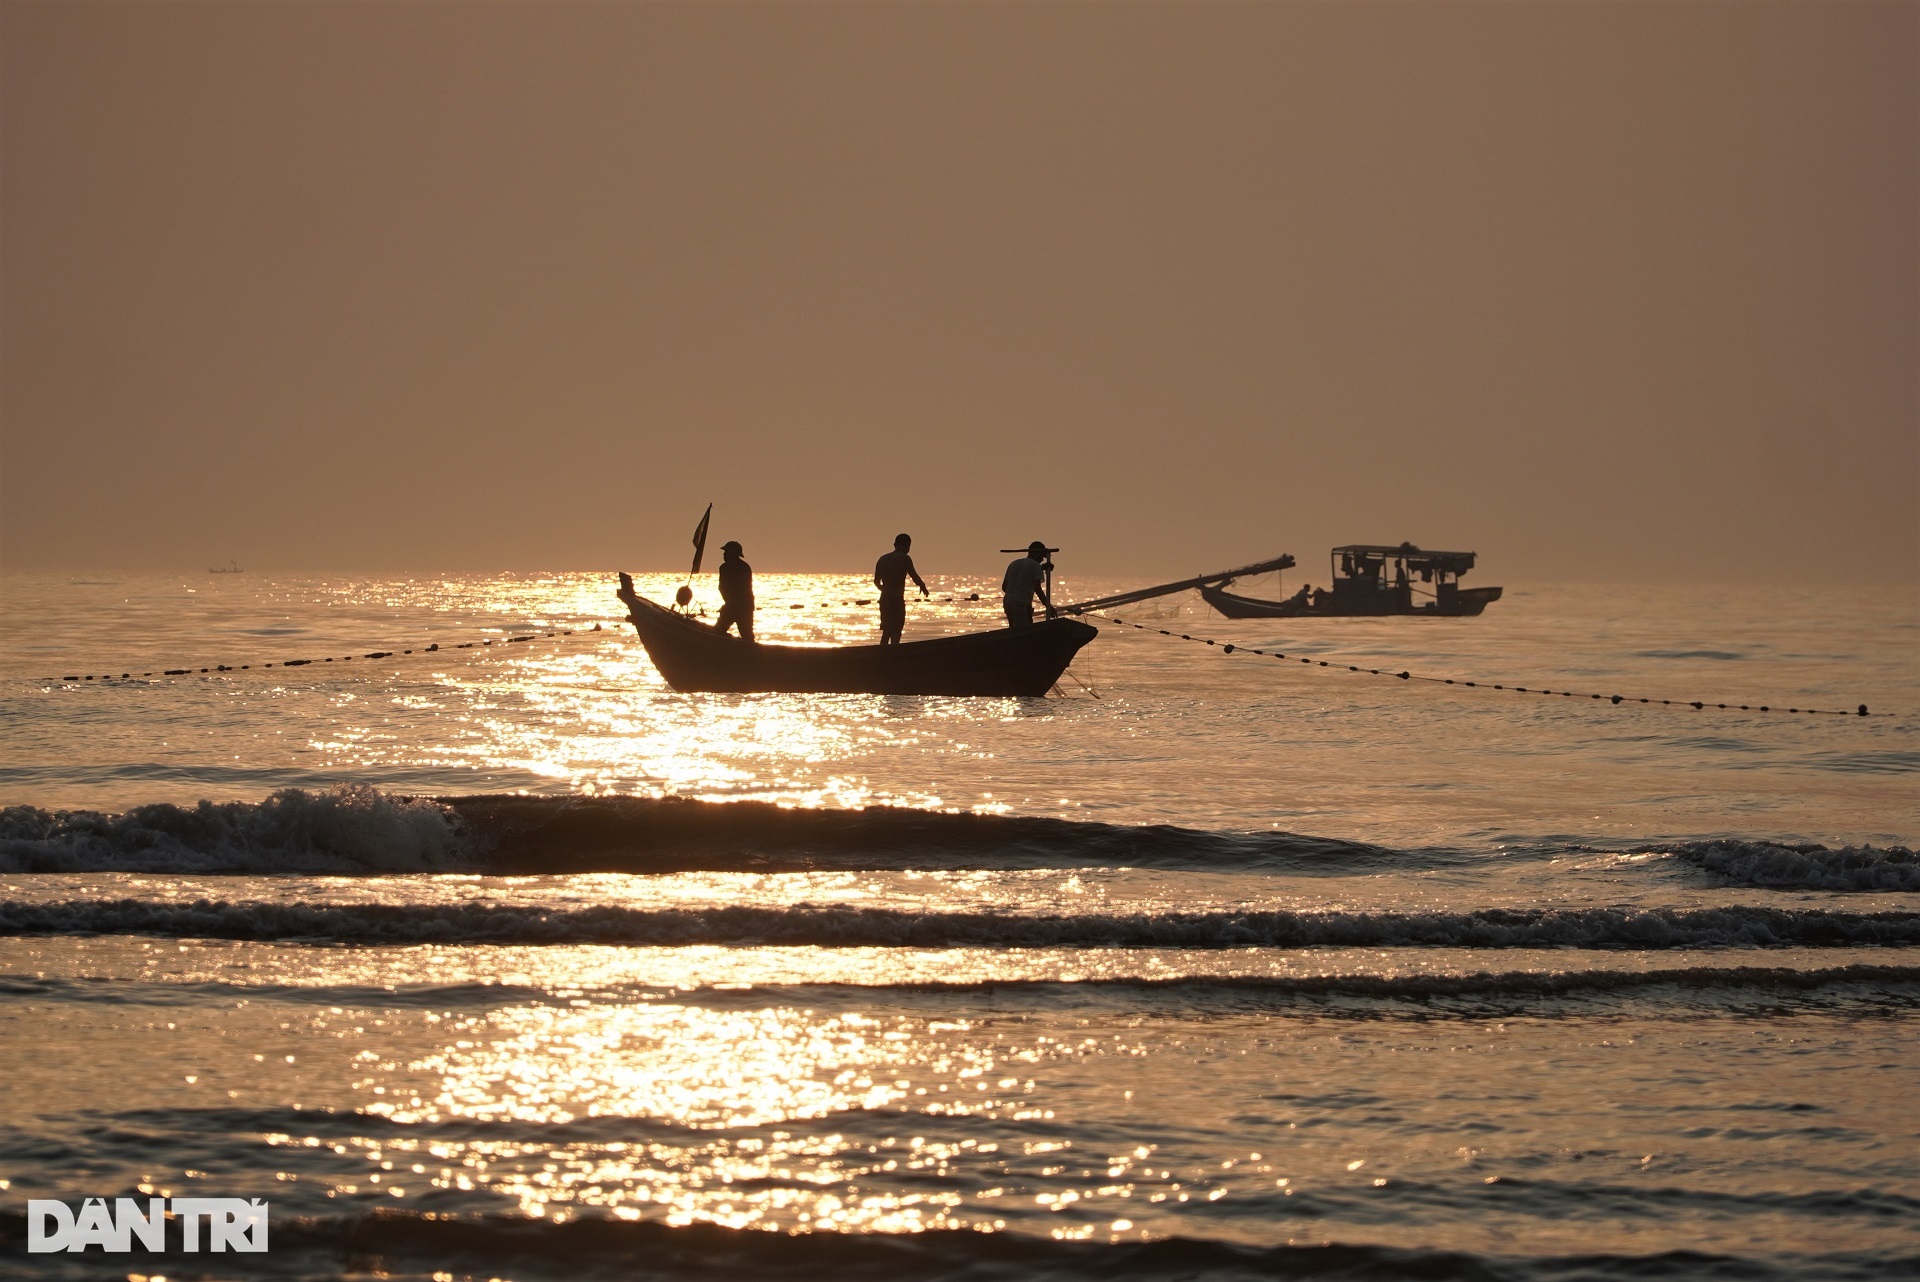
1806	867
359	829
350	829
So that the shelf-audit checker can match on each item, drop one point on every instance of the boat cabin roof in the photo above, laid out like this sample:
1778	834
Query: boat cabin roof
1415	557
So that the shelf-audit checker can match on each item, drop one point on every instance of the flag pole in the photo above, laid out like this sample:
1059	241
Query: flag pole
685	595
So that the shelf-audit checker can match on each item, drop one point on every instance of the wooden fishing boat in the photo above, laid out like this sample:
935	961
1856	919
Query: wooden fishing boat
1235	606
1370	579
1002	663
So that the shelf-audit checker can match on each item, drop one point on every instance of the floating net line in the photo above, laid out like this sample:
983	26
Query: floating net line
1225	647
1616	700
422	651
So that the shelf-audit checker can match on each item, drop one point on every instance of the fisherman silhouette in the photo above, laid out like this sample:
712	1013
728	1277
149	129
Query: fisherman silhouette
890	575
1024	580
736	592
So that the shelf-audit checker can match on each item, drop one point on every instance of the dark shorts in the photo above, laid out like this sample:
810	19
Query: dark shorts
893	613
1019	613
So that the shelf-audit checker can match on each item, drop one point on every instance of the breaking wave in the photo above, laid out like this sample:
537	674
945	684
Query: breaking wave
1805	866
828	926
351	829
358	829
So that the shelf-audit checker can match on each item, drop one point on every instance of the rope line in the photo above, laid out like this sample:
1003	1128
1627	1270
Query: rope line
1224	646
1613	699
435	648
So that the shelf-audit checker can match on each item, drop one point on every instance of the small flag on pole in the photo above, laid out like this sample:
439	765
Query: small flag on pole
700	541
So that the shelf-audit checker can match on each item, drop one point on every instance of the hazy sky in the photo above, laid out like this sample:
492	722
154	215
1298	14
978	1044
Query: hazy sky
1618	290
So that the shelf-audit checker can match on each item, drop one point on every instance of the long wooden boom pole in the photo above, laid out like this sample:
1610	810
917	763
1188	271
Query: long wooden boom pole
1282	562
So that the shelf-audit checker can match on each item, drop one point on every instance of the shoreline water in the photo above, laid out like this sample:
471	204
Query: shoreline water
521	965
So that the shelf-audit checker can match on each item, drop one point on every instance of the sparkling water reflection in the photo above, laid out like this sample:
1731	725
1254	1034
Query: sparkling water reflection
1183	734
411	1044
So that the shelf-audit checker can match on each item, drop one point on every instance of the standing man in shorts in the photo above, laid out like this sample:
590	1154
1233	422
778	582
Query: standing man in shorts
890	575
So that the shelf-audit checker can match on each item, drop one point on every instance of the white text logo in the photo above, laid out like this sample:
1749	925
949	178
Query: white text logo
232	1224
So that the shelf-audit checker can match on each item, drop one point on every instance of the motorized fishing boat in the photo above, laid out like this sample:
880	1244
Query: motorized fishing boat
1006	662
1370	579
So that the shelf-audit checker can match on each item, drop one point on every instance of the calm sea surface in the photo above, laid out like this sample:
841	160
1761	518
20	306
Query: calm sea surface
506	961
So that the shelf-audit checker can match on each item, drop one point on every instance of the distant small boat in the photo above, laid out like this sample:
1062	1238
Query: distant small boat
1007	662
231	567
1371	579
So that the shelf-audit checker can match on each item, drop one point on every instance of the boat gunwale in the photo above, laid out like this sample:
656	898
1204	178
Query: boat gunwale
1013	662
703	633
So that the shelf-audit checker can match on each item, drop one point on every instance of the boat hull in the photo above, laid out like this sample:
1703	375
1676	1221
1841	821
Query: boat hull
1461	603
1007	662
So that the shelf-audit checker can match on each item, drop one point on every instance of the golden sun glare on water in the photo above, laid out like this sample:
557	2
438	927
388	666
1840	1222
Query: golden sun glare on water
656	1096
595	717
708	1071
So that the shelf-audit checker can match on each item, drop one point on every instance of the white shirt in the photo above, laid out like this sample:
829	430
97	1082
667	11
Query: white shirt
1024	578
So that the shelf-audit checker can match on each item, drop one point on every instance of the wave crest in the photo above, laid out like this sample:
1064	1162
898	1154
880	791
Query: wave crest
350	829
837	927
1782	866
357	829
